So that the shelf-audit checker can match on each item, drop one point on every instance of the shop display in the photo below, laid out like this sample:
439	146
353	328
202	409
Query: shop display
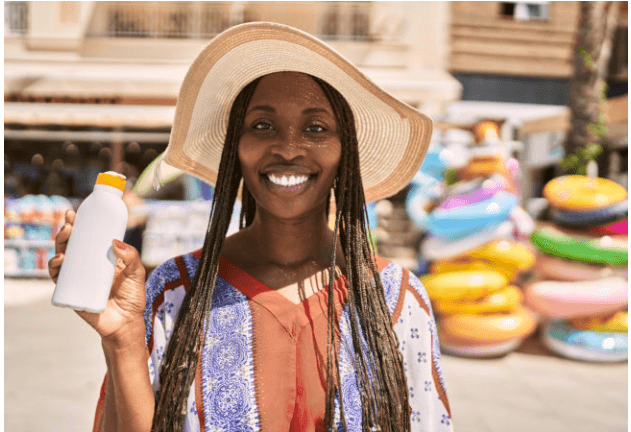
30	226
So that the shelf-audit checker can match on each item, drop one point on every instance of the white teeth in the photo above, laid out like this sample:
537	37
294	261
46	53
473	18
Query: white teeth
284	180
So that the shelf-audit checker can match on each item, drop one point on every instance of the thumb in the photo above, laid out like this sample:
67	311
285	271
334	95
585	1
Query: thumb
128	256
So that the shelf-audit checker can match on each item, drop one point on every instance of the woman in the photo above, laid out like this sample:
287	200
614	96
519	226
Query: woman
287	324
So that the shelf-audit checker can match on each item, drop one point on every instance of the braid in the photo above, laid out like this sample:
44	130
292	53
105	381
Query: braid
248	207
380	373
180	360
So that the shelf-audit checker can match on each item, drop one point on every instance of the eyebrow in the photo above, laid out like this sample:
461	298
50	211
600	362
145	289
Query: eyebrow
271	109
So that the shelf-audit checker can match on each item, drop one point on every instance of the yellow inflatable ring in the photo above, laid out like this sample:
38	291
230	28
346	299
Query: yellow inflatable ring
504	300
464	263
618	322
470	284
506	253
490	328
576	192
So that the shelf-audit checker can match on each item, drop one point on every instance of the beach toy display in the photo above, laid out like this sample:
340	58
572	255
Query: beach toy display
581	288
30	225
476	253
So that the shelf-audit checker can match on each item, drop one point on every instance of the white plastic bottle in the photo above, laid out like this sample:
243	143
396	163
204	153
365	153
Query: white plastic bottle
86	275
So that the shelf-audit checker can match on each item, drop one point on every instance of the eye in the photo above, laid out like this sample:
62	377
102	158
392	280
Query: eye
261	125
315	128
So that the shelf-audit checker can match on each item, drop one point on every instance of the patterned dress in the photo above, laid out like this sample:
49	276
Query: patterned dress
262	367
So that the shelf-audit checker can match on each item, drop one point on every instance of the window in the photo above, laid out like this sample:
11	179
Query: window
525	10
15	18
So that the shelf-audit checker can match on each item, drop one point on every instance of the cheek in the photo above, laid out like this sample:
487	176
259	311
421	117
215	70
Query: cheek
331	158
248	156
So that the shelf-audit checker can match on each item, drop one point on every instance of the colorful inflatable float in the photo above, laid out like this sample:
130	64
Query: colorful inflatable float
582	285
476	250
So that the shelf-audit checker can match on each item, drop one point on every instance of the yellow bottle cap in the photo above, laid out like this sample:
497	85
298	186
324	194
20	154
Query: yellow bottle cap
113	179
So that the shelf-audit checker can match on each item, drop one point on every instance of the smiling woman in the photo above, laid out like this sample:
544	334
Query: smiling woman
286	325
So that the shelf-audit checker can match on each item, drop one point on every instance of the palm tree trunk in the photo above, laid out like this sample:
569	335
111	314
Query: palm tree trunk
595	33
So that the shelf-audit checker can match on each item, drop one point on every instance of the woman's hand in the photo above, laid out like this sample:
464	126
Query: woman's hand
122	321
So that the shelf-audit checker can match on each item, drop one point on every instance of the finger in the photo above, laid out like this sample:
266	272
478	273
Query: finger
70	215
54	266
61	241
129	262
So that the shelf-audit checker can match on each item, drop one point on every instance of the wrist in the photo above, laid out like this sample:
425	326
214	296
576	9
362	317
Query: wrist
129	337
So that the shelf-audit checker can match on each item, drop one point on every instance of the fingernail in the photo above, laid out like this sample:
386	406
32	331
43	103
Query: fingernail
119	244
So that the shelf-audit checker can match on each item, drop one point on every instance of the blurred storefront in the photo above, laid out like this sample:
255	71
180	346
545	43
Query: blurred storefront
92	86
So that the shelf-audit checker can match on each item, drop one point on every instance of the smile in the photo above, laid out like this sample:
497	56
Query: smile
287	180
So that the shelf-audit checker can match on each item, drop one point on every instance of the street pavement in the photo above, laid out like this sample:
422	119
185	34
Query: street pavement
54	367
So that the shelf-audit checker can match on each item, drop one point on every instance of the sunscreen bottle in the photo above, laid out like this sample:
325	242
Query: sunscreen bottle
87	272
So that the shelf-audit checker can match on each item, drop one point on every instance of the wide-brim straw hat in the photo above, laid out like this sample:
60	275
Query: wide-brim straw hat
393	137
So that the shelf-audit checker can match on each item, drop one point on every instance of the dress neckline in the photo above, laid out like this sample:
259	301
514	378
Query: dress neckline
288	313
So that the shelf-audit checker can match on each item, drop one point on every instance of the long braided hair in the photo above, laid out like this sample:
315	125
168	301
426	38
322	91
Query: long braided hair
380	374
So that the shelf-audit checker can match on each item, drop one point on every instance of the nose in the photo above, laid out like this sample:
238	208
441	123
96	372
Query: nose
289	144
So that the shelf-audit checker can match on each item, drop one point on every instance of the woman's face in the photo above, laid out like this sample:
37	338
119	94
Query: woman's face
290	147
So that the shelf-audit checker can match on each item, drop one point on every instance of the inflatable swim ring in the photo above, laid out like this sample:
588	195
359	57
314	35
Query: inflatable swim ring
586	218
460	221
482	167
556	299
604	250
504	300
585	345
581	193
617	322
490	328
465	187
437	248
551	267
487	190
464	348
464	262
439	158
614	228
506	253
470	284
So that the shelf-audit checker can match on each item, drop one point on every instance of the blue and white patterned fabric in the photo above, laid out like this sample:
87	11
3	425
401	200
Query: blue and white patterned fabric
227	387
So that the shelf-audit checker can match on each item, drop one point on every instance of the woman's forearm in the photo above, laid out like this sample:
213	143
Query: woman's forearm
129	398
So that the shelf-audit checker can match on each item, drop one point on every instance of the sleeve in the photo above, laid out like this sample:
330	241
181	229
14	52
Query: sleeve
165	291
416	329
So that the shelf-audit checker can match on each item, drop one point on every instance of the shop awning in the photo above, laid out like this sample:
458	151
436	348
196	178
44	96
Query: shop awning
86	115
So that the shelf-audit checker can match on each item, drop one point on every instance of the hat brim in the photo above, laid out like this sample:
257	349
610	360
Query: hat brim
393	137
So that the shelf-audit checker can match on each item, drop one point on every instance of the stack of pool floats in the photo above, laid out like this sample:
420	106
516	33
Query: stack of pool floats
582	283
476	248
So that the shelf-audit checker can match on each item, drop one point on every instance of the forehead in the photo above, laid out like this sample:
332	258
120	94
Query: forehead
289	87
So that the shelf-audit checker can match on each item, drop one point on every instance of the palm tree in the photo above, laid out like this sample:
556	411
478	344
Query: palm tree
598	20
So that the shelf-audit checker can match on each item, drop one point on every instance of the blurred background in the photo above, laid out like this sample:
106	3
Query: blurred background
521	92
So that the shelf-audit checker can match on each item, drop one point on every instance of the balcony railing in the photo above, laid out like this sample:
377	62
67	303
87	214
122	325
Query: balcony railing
203	20
163	19
346	21
15	18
